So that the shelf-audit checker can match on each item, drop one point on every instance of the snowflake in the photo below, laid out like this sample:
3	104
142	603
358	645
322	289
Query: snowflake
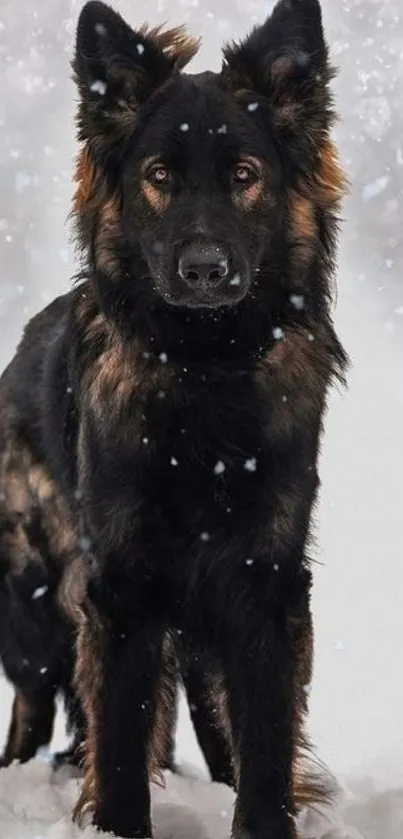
278	333
253	106
250	465
297	301
185	126
204	536
163	358
236	280
222	129
219	468
140	49
174	461
85	543
39	592
98	87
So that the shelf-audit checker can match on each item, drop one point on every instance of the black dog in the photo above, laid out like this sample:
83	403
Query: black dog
160	424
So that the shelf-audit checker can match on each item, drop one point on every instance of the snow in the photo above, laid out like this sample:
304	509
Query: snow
39	592
98	86
374	188
357	691
250	464
297	301
219	468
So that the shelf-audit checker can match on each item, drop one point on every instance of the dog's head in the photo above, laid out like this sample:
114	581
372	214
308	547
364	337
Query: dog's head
201	190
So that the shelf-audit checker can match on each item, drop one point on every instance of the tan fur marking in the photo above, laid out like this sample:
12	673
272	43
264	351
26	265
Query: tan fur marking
303	230
330	179
303	217
311	782
175	43
158	201
165	714
88	683
21	717
86	177
28	489
246	199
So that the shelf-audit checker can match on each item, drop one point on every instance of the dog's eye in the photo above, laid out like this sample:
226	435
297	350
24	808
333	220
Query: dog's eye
243	174
159	175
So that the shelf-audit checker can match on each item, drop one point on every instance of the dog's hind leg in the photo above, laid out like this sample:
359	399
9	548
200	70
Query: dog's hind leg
32	641
31	725
206	698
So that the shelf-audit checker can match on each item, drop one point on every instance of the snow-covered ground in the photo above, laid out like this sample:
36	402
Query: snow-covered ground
357	695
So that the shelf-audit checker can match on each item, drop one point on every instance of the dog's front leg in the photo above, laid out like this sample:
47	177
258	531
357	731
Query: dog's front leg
118	667
261	669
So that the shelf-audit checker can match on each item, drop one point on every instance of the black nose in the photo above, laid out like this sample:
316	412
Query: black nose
202	263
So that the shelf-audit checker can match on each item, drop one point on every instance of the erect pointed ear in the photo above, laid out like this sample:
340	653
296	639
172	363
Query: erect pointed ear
116	70
286	62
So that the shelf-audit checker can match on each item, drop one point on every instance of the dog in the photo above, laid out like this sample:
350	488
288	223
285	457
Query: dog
160	423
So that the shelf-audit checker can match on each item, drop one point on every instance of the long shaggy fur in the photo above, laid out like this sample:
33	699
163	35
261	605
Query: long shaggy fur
160	424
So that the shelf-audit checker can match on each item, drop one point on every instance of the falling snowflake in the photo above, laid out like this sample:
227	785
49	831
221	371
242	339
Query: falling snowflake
39	592
184	126
163	358
222	129
297	301
250	465
204	536
236	280
98	87
140	49
278	333
374	188
249	561
253	106
174	461
219	468
85	543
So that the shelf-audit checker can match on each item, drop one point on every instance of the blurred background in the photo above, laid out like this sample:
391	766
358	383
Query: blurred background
357	695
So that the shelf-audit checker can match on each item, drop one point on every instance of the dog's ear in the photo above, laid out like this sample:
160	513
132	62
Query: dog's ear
116	69
285	61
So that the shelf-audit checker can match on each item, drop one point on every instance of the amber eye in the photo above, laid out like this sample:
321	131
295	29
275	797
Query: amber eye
243	174
159	175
